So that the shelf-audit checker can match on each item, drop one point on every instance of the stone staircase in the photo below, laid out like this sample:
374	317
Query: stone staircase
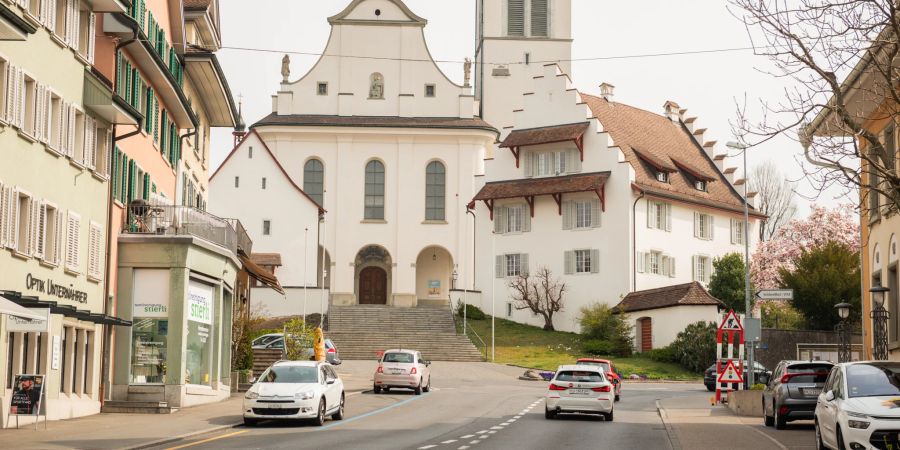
360	331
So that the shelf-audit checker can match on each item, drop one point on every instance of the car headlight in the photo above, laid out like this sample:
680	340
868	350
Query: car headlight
251	395
858	424
857	420
308	395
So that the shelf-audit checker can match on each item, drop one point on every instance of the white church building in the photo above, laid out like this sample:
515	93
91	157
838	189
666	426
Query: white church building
425	187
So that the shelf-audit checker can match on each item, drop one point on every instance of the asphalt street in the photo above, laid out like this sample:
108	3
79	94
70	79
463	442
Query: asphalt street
471	405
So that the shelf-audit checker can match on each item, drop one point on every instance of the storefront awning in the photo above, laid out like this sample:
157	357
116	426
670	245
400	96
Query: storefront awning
24	302
12	309
262	275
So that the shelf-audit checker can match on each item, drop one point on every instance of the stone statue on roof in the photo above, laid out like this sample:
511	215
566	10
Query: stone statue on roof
285	68
467	72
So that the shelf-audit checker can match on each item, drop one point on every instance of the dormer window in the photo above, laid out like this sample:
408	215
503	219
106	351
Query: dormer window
662	176
700	185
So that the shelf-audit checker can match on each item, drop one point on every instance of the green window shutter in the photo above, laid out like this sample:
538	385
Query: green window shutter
163	130
120	60
143	11
155	119
135	87
153	188
115	173
146	192
132	173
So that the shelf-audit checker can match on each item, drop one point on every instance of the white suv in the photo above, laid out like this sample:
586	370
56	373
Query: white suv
295	390
580	389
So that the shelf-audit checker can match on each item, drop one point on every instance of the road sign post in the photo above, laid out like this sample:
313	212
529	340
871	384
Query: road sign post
729	356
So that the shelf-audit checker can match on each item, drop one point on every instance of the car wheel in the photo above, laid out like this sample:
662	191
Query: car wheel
609	416
418	389
428	386
320	417
710	388
248	422
376	389
767	419
780	422
617	397
840	440
339	415
549	415
819	444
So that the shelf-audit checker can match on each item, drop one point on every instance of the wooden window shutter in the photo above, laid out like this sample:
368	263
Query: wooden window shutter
526	218
132	173
671	267
14	219
695	268
33	215
515	18
595	213
709	269
115	173
10	94
20	95
668	207
539	18
41	227
595	261
500	266
92	30
3	216
641	262
568	215
61	230
712	227
569	262
523	264
528	162
145	193
697	220
501	223
48	116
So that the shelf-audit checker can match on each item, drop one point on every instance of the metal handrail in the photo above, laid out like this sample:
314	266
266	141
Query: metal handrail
483	345
148	219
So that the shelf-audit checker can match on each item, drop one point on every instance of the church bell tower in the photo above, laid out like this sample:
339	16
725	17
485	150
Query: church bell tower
515	39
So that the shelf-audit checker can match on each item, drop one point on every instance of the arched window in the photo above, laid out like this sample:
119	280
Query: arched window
374	191
314	180
435	191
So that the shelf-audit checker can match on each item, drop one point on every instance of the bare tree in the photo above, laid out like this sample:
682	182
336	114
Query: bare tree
775	199
540	293
816	44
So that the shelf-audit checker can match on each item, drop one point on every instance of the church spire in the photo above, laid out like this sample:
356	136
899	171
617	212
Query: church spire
240	127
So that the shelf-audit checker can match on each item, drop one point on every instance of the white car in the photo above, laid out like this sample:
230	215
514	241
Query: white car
859	407
295	390
580	389
404	369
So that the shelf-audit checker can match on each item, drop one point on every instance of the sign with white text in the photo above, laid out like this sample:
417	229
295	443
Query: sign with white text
20	325
776	294
200	302
26	395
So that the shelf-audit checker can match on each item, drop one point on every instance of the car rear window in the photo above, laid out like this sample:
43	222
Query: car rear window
811	373
398	358
604	366
581	376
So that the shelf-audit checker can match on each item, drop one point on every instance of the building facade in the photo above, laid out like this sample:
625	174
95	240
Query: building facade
58	118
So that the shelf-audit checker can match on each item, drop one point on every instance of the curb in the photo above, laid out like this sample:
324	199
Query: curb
182	437
670	430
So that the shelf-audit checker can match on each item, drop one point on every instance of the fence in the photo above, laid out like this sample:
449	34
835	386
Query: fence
165	220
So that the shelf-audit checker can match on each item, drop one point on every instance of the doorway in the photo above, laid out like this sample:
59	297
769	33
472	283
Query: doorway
373	286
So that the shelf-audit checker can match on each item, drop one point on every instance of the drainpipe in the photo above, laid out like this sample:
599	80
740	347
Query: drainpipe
180	171
634	241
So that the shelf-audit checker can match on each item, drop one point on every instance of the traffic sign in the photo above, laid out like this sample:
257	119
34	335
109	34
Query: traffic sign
731	323
776	294
730	374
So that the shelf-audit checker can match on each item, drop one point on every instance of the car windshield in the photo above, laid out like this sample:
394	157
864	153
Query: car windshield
291	374
603	365
873	380
398	358
579	376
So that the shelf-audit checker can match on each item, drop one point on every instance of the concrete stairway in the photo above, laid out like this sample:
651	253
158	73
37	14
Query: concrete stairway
360	331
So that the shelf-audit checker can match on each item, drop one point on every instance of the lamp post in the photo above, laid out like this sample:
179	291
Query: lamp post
843	329
879	323
471	212
747	310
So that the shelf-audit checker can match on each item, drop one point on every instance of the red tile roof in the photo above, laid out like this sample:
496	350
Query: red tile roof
657	138
529	187
545	135
690	294
266	259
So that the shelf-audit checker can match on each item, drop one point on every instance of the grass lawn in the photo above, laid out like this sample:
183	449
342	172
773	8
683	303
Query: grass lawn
528	346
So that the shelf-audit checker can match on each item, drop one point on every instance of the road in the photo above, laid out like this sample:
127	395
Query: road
479	406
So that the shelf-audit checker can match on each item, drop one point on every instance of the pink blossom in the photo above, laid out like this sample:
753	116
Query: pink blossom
822	225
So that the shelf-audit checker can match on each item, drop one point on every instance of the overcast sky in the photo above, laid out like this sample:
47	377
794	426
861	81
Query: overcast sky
706	84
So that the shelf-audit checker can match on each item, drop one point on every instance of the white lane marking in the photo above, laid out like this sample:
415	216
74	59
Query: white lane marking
474	442
496	428
467	436
484	436
427	447
464	447
492	431
449	442
517	417
481	432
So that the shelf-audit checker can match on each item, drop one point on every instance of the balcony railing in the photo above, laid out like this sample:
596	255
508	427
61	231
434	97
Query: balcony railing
161	220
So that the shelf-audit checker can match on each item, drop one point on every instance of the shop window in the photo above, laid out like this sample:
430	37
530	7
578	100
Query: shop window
149	334
198	343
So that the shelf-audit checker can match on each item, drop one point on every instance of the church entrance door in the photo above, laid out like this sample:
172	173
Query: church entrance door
373	286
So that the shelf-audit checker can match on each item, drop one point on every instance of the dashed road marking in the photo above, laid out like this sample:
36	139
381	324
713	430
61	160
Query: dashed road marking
449	442
427	447
467	436
481	432
496	428
464	447
484	436
492	431
474	442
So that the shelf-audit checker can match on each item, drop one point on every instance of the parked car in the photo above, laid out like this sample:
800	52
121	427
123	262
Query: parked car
276	341
793	390
760	374
609	369
859	407
295	390
405	369
579	389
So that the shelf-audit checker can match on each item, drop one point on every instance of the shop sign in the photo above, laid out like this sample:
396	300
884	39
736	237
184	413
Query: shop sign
200	301
21	325
47	286
26	395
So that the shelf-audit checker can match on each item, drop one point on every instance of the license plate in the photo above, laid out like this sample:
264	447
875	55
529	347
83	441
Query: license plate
580	391
811	392
396	371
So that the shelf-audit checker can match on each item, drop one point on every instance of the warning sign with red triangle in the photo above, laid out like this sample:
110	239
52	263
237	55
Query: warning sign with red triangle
730	374
731	323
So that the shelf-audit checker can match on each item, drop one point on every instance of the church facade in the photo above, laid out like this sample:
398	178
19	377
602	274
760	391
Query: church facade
426	188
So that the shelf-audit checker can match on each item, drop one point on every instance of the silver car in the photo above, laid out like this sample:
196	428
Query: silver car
405	369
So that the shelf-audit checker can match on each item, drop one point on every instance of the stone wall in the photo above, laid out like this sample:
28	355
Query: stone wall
778	345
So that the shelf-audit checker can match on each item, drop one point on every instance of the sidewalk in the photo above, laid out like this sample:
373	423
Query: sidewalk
135	431
693	423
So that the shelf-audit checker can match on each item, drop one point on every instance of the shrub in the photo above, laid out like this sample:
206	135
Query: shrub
600	323
598	347
472	312
298	340
665	354
758	387
695	347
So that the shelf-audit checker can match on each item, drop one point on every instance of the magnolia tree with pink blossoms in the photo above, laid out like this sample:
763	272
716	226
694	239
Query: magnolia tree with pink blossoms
822	225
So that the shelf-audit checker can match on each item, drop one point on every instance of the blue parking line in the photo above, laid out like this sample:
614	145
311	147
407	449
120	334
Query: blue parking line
372	413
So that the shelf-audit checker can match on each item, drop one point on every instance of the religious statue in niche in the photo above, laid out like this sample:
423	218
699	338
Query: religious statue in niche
467	69
285	68
376	90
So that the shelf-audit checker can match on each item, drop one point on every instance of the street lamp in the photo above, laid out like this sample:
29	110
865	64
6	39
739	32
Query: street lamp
879	323
843	329
469	211
455	277
743	149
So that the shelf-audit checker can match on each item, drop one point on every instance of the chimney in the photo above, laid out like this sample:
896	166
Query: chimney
606	91
672	111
